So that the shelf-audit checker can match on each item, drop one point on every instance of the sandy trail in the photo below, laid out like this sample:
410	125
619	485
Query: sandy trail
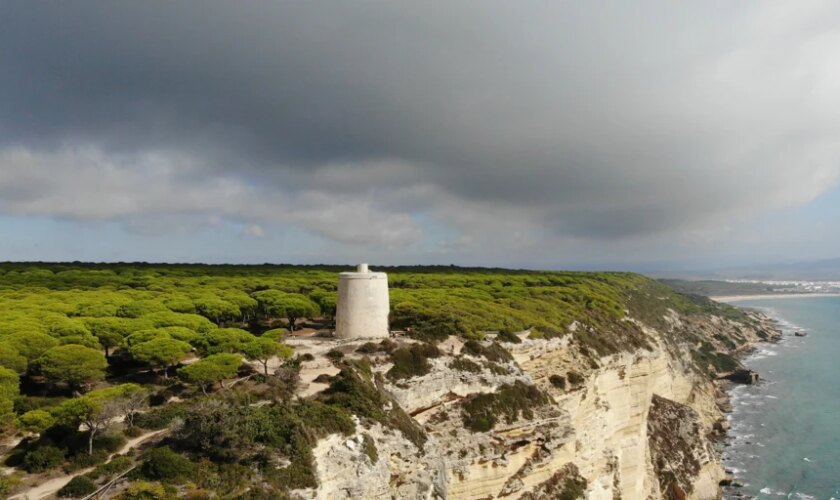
51	486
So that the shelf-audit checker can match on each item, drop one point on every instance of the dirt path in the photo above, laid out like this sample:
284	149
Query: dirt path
51	486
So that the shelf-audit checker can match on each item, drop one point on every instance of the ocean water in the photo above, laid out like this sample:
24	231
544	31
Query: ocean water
785	432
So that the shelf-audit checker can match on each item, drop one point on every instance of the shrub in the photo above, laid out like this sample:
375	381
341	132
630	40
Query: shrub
509	337
558	381
369	447
322	378
116	465
161	417
163	464
575	378
335	355
43	458
36	421
481	412
85	460
307	357
465	365
109	442
79	486
412	361
133	432
142	490
368	348
493	352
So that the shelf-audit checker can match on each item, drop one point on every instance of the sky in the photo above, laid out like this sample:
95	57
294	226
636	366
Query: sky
623	135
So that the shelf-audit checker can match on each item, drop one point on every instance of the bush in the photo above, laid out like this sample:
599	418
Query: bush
509	337
465	365
335	355
369	447
133	432
117	465
575	378
481	412
36	421
109	442
558	381
141	490
368	348
160	417
412	361
83	460
163	464
43	458
307	357
79	486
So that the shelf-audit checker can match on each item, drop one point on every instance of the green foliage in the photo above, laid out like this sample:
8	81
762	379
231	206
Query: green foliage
12	359
31	345
36	421
481	412
369	447
277	304
465	365
210	370
334	355
43	458
353	390
9	390
509	337
117	465
161	352
161	417
229	432
74	365
263	349
412	361
558	381
143	490
226	340
492	352
79	486
164	465
575	378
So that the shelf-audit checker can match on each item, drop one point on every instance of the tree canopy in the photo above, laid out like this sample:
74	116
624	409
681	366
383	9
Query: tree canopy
211	370
74	365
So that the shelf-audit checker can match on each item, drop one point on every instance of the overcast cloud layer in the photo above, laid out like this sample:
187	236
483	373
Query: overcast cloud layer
499	132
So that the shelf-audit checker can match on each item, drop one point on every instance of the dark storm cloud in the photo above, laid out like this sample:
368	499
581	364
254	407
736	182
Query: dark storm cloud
594	120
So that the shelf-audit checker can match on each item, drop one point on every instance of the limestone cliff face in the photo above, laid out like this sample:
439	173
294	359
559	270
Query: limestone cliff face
632	425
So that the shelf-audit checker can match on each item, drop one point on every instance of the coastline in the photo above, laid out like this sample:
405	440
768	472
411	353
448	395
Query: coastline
734	490
726	299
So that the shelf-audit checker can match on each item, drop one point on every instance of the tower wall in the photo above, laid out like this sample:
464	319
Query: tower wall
363	305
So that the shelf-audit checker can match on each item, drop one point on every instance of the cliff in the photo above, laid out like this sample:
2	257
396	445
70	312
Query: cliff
550	417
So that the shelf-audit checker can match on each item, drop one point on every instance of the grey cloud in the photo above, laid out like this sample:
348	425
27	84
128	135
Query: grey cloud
604	121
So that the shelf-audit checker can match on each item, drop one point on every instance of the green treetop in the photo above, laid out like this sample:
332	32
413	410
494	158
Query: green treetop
263	349
210	370
161	352
75	365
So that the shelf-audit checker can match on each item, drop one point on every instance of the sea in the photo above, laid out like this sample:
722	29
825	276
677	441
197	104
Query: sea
784	439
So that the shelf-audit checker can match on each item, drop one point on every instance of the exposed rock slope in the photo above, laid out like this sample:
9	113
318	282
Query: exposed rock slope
554	419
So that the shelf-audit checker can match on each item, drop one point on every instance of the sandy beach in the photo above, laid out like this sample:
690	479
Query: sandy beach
738	298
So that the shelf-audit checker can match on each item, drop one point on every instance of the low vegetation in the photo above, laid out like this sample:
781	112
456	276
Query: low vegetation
481	412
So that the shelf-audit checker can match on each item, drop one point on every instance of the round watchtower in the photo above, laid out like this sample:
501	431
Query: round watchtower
363	305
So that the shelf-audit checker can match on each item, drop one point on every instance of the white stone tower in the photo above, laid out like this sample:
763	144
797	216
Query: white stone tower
363	305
